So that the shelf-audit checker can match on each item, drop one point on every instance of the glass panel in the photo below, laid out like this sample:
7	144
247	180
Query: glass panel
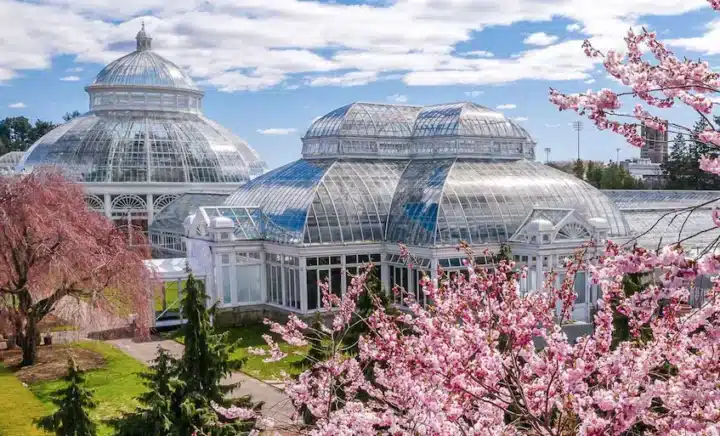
227	284
580	287
312	289
335	282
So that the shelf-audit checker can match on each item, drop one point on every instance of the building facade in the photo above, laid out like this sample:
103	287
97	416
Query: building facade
144	141
374	176
656	145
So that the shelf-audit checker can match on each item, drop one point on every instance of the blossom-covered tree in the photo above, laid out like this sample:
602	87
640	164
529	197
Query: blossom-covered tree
57	256
659	80
471	361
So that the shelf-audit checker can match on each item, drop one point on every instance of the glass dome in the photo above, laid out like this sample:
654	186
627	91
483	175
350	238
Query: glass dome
145	124
461	129
418	202
143	67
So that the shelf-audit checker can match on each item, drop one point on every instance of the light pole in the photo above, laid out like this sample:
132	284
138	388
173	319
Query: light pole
547	154
578	126
617	158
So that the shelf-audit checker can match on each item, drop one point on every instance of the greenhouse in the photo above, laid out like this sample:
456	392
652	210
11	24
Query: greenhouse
373	176
144	141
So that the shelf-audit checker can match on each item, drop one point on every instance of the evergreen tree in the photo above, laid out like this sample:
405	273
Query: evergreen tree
579	169
205	362
365	307
74	402
682	168
160	405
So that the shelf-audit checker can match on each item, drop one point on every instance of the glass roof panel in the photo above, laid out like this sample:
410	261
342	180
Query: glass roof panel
144	68
284	195
353	201
144	147
656	199
366	120
171	219
658	227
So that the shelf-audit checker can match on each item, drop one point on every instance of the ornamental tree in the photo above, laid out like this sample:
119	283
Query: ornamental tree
57	256
470	362
657	79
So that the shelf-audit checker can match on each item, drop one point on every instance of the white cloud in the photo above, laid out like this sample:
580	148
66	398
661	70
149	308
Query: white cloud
477	54
17	105
520	119
397	98
540	38
70	78
250	45
75	70
706	43
589	81
355	78
276	131
506	106
574	27
474	93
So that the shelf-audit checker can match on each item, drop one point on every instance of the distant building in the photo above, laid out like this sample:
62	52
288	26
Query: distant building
656	145
645	170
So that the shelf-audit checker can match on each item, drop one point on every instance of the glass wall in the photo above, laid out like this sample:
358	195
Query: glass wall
323	269
283	280
240	278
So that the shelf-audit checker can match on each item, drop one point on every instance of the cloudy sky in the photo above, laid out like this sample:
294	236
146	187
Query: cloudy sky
269	67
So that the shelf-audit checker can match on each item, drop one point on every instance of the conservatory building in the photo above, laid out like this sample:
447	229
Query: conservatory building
373	176
144	141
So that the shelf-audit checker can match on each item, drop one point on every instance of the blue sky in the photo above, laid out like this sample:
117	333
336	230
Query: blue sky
278	65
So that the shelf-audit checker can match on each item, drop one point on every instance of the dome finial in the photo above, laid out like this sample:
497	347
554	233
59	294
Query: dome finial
143	40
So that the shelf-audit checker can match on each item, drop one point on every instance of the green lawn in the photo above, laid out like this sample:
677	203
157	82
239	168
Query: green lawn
171	295
251	336
114	387
19	407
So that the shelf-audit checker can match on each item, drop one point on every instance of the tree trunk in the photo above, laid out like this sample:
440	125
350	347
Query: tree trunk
29	340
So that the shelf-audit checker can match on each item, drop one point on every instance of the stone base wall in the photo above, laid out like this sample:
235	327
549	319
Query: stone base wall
248	315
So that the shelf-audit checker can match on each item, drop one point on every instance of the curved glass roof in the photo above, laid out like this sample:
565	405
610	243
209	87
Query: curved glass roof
443	202
9	161
150	146
324	201
417	202
133	133
143	67
657	199
366	119
405	121
172	217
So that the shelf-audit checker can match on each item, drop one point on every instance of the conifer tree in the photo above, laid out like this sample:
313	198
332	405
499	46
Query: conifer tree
205	362
160	405
73	401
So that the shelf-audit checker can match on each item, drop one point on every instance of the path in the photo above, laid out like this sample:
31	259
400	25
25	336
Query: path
277	405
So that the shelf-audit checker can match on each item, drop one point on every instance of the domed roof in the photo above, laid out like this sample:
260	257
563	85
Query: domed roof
143	67
461	129
420	202
145	124
144	147
405	121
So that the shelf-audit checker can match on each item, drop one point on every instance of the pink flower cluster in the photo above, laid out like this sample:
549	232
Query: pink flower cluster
483	359
658	82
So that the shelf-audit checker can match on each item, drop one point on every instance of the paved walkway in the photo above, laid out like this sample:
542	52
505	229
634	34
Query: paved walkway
277	405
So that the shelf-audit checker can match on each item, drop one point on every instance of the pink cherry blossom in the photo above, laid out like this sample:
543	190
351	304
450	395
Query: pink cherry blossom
469	363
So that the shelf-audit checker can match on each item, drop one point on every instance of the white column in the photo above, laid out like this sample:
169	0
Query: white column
303	285
108	206
343	278
263	277
283	285
385	276
150	209
539	271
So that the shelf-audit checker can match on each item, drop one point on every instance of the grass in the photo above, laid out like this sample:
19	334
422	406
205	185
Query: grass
170	295
251	336
20	407
115	386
